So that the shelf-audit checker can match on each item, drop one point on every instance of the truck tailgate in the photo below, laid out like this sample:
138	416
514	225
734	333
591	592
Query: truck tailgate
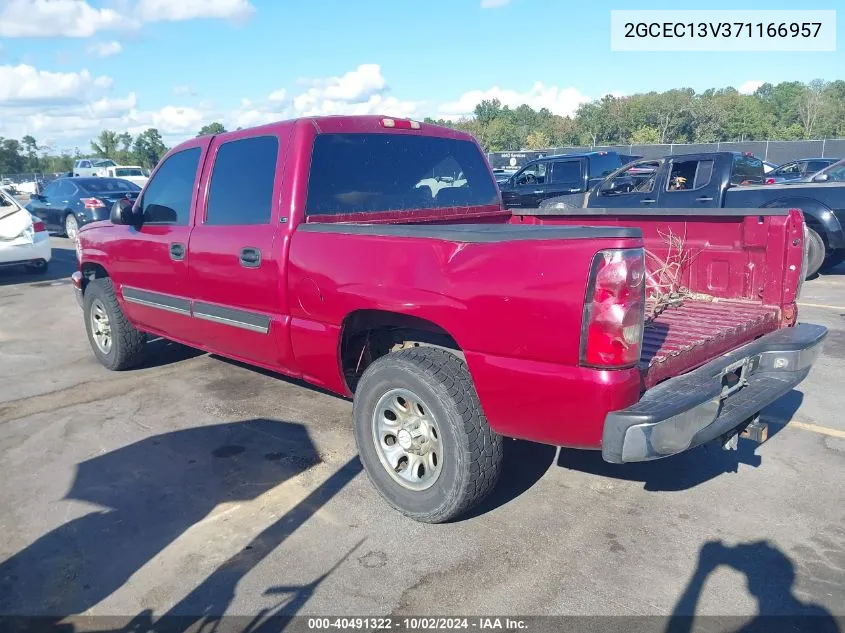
684	337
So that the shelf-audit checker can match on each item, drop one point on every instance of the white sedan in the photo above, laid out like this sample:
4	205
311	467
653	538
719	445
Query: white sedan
24	240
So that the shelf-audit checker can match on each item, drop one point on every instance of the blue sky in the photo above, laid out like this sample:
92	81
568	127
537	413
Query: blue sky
250	61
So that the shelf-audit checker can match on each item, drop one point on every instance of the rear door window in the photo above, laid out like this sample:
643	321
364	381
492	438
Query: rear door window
566	172
241	190
747	170
359	173
167	199
689	174
602	165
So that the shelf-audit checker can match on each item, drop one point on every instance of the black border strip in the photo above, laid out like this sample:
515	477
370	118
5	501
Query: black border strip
475	233
156	300
230	316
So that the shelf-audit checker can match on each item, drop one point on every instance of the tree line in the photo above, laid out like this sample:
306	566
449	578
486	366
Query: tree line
146	149
786	111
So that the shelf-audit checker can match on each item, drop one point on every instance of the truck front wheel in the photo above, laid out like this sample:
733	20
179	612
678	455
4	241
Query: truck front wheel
422	436
114	340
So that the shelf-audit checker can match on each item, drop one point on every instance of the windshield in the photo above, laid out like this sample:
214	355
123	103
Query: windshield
104	163
836	172
358	173
107	185
128	171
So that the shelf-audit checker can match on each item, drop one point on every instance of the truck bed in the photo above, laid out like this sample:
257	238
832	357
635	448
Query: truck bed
742	267
681	338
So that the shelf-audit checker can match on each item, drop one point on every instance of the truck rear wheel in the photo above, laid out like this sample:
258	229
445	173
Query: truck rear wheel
815	253
422	436
115	342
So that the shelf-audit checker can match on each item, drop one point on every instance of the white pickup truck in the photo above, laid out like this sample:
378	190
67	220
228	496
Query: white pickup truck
108	168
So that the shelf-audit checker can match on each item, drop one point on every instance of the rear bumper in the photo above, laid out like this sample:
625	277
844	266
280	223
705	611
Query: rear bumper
689	410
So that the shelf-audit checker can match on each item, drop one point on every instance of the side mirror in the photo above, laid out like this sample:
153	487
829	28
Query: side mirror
123	212
821	178
608	186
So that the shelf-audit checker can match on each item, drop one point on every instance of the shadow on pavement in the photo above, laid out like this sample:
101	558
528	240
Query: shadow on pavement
770	576
151	492
61	267
689	469
524	465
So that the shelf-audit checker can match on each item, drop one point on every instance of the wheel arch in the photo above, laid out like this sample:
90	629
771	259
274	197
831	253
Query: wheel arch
366	335
817	215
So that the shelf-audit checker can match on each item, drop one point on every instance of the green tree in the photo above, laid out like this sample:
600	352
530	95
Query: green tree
105	145
212	128
11	160
149	148
645	136
30	148
124	150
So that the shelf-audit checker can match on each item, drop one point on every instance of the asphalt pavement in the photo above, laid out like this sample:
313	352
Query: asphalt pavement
197	486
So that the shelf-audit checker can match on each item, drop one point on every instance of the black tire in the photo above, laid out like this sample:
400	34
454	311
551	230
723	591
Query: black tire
127	343
833	259
472	451
816	252
37	268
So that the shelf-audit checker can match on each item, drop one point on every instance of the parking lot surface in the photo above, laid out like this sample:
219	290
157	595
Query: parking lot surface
195	485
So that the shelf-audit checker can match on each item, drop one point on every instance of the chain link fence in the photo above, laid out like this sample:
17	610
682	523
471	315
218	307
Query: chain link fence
777	152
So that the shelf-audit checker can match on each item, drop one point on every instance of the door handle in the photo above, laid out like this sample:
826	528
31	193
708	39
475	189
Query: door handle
538	192
648	201
704	199
250	257
177	251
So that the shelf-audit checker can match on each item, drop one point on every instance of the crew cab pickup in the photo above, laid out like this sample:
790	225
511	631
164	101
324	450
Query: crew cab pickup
310	248
730	180
552	176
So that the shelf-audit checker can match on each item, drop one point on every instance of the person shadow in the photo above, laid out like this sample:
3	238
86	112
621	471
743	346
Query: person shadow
770	576
150	493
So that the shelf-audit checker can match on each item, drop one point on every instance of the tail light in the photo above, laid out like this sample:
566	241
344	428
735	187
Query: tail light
93	203
38	227
614	310
770	181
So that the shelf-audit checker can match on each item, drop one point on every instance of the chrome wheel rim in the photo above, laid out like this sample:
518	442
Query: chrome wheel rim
71	227
100	326
407	439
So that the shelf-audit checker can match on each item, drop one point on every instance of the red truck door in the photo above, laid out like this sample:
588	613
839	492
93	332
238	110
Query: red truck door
149	262
236	273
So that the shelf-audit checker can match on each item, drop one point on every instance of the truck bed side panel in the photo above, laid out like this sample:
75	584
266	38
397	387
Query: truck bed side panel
526	297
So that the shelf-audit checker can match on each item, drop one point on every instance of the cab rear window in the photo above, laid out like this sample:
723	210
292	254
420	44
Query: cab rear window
359	173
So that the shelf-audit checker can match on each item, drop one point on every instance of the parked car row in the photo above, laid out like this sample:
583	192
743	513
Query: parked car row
66	204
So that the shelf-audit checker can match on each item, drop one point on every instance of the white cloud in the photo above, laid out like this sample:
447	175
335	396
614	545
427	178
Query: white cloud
493	4
750	86
26	84
67	109
57	18
184	90
178	10
78	18
105	49
563	101
356	86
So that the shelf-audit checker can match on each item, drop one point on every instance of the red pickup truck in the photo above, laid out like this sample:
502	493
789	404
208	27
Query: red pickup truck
373	257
